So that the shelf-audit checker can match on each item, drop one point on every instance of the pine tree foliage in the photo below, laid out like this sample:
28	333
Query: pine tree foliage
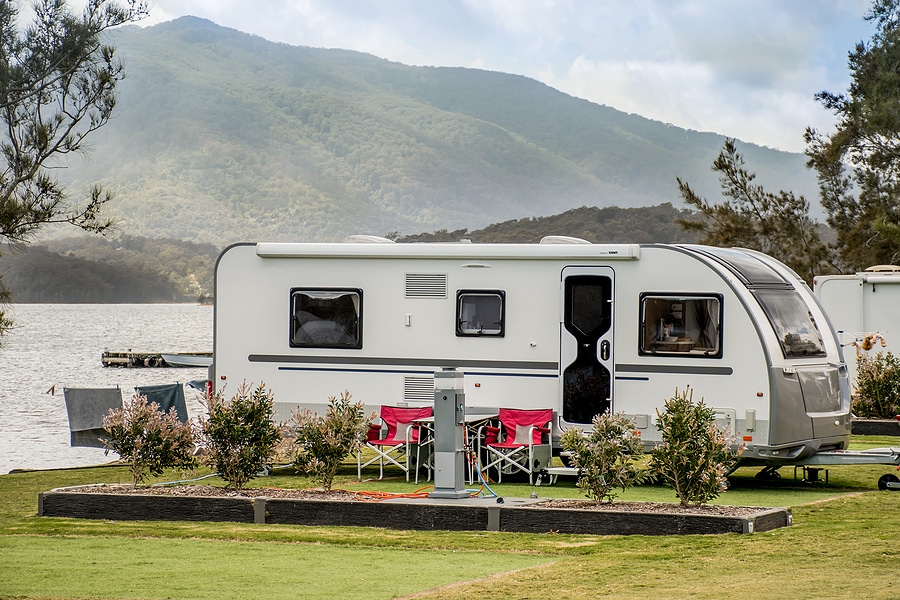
858	165
750	217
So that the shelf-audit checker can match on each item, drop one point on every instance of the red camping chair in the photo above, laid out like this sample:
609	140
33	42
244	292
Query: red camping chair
521	443
395	447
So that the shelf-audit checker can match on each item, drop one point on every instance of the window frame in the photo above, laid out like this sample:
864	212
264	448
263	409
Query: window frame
648	340
357	327
470	332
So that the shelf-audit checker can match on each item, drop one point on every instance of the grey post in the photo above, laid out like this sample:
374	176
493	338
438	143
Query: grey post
449	444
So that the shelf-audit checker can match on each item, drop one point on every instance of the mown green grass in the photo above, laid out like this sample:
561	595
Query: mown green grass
844	543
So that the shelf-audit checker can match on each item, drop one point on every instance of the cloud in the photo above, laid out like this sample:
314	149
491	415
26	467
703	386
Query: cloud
745	68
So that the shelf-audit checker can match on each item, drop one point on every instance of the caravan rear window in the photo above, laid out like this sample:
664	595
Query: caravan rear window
681	324
326	318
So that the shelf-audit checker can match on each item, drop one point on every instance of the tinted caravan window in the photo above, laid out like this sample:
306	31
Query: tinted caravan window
794	325
480	312
326	318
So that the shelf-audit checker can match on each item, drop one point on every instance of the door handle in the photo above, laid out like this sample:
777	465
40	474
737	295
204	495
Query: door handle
604	350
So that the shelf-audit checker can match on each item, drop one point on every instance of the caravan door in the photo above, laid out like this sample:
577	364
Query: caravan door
586	343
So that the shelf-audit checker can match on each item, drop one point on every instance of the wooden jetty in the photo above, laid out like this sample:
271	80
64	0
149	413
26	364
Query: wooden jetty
131	359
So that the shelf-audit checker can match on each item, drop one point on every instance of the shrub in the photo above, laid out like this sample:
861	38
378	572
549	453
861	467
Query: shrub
877	386
695	456
608	457
240	436
322	443
149	440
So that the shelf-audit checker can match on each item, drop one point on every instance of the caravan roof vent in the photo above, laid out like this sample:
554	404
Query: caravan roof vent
426	285
883	269
562	239
367	239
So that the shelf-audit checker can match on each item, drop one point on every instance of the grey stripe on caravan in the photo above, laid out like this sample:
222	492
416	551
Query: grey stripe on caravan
408	362
488	364
678	369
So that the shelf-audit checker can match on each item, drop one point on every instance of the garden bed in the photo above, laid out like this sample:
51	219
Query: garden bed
341	508
875	427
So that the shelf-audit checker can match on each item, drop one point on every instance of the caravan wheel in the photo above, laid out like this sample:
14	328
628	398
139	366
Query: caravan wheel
889	481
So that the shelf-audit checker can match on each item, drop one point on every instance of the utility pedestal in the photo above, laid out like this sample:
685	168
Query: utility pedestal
449	435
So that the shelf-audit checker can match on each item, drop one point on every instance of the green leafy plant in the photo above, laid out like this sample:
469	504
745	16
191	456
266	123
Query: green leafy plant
322	442
695	456
240	436
149	440
877	386
608	457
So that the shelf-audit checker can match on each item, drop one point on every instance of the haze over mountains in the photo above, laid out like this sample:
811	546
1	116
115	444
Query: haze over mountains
221	136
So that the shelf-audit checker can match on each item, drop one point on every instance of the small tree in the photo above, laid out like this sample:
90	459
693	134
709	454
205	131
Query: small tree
749	216
607	457
148	440
240	436
57	87
322	443
695	456
877	386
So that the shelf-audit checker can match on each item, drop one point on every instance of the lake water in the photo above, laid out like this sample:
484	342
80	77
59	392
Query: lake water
54	346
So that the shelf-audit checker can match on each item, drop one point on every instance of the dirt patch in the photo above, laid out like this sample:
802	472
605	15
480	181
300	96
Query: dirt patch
219	492
653	507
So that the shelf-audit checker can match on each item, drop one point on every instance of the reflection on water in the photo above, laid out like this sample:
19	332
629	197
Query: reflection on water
59	345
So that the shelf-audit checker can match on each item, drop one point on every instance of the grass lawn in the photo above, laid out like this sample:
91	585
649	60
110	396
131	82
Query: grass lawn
844	543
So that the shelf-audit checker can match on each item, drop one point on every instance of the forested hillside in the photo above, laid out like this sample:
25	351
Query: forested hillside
220	136
95	269
610	225
99	270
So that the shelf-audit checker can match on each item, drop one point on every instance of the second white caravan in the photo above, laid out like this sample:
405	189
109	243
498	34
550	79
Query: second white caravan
580	328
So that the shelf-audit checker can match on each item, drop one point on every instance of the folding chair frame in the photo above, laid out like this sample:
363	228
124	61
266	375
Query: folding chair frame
514	455
388	449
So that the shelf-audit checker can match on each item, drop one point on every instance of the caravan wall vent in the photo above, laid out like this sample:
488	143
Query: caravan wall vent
418	388
426	285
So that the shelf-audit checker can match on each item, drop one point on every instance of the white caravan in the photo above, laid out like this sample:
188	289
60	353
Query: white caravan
860	305
577	327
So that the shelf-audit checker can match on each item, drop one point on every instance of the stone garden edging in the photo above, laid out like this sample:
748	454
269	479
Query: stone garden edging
469	514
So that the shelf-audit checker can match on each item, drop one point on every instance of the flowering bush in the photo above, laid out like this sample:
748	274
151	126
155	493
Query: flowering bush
149	440
240	436
877	386
607	457
322	442
695	456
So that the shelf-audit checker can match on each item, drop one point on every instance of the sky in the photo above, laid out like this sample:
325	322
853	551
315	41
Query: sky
747	69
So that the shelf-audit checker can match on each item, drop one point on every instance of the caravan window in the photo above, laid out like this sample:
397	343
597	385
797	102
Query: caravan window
326	318
795	327
681	324
480	312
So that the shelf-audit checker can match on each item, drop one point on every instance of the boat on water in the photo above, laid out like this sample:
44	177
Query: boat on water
188	359
156	359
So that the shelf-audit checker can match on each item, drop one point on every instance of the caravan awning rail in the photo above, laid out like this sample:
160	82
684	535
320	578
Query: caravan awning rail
449	251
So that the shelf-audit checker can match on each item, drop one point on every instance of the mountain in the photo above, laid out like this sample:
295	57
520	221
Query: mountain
221	136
